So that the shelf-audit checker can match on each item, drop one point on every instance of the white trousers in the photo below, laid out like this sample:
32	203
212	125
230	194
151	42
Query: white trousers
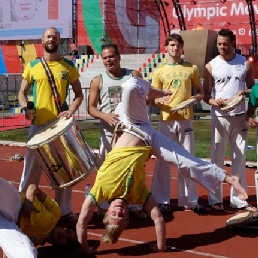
14	243
232	130
105	144
202	172
182	132
31	175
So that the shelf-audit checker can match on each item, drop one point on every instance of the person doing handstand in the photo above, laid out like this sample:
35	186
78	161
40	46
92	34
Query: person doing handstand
121	178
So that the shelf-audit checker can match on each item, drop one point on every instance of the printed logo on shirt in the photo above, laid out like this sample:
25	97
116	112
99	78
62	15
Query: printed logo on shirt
115	96
175	83
225	80
239	67
128	182
222	80
65	75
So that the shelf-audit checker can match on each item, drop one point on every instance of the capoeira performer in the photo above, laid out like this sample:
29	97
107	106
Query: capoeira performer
29	220
121	178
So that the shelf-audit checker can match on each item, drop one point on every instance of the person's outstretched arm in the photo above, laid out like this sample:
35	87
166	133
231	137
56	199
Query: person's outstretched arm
33	191
49	204
152	209
86	213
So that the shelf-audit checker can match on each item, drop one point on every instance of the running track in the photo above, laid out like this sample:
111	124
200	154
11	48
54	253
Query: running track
188	235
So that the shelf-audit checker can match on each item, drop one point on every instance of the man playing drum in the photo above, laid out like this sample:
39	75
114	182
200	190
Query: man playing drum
46	105
227	75
30	220
127	159
181	77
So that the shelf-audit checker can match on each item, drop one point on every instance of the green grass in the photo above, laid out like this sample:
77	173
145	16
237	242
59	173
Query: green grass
202	131
19	135
203	137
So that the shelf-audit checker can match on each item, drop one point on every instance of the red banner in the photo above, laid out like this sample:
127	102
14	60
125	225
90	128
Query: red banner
215	15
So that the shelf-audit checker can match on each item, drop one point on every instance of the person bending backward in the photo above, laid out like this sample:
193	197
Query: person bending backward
225	76
30	220
65	73
104	96
181	77
127	159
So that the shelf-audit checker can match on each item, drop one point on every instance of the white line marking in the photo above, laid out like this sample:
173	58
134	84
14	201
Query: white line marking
168	247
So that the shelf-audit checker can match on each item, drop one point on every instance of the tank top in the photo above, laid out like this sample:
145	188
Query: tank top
228	80
110	95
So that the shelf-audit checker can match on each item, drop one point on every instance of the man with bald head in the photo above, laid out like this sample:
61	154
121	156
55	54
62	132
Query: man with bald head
47	107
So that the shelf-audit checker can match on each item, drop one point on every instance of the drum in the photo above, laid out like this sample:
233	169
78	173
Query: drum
232	103
62	152
185	104
239	220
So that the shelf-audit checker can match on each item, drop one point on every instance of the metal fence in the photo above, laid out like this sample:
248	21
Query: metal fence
10	85
82	113
9	106
10	109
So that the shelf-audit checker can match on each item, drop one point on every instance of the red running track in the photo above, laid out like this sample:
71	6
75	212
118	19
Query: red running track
189	235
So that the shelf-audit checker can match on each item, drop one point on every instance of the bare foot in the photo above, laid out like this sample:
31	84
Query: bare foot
234	182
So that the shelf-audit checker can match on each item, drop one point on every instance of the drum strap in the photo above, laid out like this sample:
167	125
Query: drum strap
52	83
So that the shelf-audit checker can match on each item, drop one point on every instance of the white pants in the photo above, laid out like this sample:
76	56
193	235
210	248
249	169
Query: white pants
31	175
14	243
202	172
206	174
232	129
105	145
182	132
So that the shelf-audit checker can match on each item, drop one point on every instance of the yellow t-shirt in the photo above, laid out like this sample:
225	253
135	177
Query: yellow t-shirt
38	226
122	175
64	72
179	78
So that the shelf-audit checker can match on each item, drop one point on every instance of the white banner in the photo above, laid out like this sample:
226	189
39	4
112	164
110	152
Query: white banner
27	19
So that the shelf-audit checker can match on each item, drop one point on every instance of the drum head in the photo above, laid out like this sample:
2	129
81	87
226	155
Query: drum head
49	131
239	219
184	104
232	103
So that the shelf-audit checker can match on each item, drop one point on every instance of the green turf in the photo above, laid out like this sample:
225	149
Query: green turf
202	129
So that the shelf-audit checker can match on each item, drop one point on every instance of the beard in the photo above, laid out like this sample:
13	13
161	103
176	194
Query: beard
50	50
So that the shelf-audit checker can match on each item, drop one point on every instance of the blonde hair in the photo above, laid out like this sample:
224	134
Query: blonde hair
112	232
